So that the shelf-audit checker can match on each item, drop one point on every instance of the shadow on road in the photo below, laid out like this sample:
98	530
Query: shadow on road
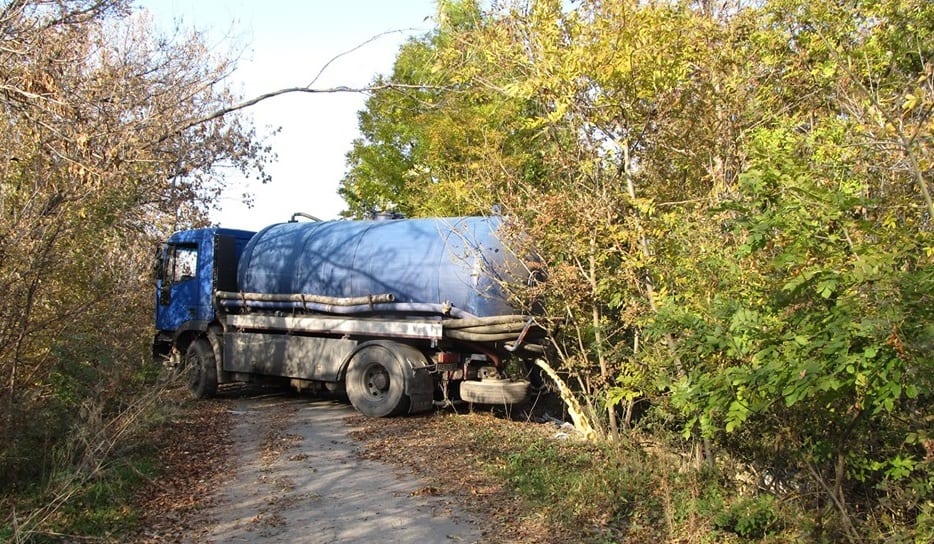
295	476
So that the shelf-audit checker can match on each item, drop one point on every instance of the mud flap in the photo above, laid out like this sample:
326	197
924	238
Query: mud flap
419	385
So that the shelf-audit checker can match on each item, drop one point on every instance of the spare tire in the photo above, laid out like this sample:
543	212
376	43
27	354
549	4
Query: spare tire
495	391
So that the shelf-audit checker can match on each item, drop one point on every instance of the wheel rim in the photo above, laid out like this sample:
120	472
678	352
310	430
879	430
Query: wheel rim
376	380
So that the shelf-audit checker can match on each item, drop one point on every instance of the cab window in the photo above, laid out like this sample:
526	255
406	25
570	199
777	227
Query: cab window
182	263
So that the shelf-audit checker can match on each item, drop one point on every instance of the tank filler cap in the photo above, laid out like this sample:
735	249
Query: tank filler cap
377	215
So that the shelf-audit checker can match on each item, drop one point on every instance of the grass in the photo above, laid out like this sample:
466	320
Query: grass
91	476
99	507
574	483
104	507
602	490
612	491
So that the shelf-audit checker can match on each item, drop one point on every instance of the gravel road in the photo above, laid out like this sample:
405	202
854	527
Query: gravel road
295	476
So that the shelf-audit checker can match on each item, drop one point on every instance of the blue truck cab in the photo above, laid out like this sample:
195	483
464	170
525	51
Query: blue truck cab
191	266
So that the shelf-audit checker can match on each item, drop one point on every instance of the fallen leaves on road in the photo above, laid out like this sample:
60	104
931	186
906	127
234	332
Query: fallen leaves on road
194	449
437	450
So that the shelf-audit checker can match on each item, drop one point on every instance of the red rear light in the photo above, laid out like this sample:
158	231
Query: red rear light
447	357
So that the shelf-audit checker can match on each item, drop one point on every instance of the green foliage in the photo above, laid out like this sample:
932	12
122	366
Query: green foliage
822	343
577	482
733	209
833	357
103	506
599	492
426	150
750	518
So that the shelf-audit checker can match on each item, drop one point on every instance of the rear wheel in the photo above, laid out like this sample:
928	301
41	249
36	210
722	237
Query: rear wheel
376	382
201	369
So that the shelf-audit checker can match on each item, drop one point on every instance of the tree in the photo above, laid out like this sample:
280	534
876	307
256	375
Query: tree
560	109
432	144
104	153
733	209
822	339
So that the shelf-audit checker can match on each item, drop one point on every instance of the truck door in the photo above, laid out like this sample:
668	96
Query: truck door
178	286
227	250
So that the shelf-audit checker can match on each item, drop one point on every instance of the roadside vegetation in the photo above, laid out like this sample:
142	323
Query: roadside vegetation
534	482
732	205
106	148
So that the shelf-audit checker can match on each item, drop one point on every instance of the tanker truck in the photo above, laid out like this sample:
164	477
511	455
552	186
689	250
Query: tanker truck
396	315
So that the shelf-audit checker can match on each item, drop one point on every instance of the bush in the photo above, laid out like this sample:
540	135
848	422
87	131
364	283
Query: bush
753	517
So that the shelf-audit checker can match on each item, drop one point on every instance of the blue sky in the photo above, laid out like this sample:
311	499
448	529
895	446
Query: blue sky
285	43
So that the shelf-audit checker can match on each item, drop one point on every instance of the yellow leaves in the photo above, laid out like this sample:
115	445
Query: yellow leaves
646	206
81	141
38	83
891	221
558	112
517	89
910	102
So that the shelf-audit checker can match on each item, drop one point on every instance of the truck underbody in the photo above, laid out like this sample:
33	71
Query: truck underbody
386	363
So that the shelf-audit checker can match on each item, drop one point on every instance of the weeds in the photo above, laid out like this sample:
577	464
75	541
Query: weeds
621	492
91	473
753	517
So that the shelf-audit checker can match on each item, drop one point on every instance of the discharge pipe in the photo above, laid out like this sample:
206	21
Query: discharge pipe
302	214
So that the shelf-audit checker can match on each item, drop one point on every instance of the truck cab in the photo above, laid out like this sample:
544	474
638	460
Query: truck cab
190	267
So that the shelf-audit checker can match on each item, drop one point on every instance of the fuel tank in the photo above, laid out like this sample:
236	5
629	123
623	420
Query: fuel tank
426	264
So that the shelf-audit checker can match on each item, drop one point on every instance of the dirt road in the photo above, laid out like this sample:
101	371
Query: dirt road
295	477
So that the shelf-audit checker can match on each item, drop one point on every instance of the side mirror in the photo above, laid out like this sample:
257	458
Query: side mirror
158	264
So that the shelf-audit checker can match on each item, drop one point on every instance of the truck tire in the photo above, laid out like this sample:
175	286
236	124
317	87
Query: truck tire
376	382
201	369
494	391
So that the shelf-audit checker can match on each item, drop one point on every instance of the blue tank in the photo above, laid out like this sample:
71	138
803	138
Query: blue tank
424	264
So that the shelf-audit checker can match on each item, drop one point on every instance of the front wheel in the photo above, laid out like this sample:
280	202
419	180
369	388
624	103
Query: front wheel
201	369
376	383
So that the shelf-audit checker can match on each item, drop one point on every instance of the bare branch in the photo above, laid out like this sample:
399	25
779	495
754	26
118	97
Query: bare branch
291	90
352	49
309	88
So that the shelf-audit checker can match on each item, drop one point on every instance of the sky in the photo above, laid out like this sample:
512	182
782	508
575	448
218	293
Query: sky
285	43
